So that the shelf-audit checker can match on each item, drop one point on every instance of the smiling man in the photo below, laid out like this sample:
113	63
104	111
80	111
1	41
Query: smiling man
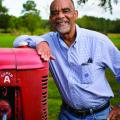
82	57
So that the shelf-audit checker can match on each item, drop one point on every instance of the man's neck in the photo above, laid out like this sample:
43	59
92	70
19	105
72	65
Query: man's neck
69	38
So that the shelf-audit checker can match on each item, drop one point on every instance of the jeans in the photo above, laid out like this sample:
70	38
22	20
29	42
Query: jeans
65	115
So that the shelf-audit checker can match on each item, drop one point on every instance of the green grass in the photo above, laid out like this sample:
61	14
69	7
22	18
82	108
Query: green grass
115	87
115	38
6	40
54	99
112	35
116	41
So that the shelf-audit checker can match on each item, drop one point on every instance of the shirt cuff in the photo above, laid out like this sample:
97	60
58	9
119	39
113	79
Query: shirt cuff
31	41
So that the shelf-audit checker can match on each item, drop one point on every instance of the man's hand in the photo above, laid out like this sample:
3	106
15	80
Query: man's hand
114	114
44	51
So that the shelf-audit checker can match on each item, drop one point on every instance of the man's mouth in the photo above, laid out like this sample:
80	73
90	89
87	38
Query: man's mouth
61	22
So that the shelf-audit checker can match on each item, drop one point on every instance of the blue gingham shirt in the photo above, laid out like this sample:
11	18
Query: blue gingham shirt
79	70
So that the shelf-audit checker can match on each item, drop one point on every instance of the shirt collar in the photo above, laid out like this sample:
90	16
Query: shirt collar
76	39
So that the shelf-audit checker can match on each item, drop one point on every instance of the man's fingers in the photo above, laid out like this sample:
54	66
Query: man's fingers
44	51
46	55
52	57
47	58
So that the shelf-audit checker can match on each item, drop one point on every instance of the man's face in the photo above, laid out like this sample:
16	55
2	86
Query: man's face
63	16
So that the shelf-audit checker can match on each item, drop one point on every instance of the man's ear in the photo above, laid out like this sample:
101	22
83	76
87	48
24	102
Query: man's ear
50	17
76	14
51	24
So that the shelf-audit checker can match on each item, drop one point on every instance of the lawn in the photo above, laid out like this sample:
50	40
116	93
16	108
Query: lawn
6	40
54	99
115	39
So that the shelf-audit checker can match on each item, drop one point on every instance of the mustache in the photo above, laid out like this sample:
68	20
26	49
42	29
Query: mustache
61	21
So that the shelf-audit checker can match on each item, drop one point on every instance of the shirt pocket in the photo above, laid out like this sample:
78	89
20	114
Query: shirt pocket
87	71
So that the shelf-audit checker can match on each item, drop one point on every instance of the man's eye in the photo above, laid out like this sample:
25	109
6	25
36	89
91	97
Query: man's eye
66	10
54	12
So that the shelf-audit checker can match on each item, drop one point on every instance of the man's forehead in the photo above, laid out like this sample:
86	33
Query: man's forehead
60	4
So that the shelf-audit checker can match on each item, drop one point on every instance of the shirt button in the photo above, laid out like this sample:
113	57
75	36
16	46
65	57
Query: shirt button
86	74
71	64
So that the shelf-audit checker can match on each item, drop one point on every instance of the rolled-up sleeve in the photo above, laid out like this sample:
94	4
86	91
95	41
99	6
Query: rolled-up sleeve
31	41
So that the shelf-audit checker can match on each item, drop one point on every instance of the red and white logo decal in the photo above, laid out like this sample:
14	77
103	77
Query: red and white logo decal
7	76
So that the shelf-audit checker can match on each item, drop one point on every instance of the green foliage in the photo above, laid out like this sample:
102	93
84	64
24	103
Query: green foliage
4	21
99	24
3	10
30	7
41	31
106	4
30	21
13	22
117	26
45	24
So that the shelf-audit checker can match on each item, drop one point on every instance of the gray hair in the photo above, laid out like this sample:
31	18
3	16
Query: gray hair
73	3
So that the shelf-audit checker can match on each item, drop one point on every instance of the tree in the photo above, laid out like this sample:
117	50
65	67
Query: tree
106	4
30	6
30	19
13	22
4	22
3	10
4	18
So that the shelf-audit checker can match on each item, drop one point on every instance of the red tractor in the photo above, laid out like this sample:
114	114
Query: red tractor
23	85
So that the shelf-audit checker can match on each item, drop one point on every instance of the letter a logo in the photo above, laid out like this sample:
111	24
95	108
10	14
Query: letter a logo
7	79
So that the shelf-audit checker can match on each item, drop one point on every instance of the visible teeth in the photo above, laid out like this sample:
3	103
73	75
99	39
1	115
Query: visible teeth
60	21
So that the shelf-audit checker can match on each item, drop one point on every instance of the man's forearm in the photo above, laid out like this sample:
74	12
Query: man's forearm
30	41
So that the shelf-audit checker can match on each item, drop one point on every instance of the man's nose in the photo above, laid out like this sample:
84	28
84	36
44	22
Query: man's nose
61	14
